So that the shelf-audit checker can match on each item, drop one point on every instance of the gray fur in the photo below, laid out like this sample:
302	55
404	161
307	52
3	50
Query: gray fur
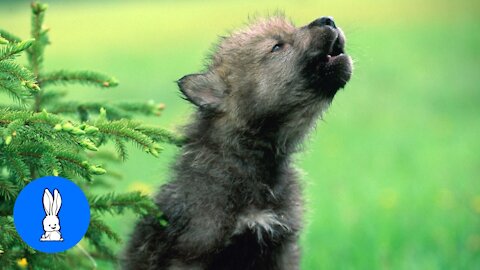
234	201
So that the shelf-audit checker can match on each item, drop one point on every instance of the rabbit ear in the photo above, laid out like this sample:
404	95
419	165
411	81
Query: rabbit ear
57	202
47	202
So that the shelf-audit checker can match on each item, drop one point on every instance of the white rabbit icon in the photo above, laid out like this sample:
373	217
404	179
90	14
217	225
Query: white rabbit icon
51	223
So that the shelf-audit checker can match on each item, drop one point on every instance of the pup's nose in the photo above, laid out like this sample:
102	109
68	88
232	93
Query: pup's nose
323	21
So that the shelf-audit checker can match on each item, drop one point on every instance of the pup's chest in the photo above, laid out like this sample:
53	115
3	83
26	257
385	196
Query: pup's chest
263	224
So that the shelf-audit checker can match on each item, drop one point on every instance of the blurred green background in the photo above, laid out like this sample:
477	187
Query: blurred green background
391	174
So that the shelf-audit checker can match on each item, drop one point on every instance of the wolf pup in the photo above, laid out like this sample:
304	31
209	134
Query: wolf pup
234	200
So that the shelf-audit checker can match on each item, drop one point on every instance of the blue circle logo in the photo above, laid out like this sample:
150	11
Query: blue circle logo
51	214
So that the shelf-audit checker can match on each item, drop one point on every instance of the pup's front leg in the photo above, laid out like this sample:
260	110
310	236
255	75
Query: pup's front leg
289	257
201	238
176	265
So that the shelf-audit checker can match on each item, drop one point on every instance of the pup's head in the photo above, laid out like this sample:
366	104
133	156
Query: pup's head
272	70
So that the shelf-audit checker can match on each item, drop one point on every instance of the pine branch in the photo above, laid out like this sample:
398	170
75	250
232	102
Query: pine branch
126	129
96	230
13	71
116	111
50	164
9	50
16	81
120	130
15	91
9	36
8	190
52	97
74	164
146	108
9	235
82	77
162	135
45	154
107	156
12	127
35	53
36	143
13	106
48	261
63	162
117	203
121	149
29	118
18	168
100	226
75	107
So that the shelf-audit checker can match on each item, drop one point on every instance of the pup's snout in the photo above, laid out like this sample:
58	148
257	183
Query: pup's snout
323	21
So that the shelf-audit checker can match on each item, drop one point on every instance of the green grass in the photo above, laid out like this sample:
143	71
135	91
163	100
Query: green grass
391	174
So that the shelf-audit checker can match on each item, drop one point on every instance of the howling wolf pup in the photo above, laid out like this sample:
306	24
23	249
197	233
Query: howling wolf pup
234	201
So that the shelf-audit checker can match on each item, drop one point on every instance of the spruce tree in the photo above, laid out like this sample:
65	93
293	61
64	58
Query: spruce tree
43	133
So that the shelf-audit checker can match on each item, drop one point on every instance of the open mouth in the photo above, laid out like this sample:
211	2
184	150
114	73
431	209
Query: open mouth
333	66
328	67
336	49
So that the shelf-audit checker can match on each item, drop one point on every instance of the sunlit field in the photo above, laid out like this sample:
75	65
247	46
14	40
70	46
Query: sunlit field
392	172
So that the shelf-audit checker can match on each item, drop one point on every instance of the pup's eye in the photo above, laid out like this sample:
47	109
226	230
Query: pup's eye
277	47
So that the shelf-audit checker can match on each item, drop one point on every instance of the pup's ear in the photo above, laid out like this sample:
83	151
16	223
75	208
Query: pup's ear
206	90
